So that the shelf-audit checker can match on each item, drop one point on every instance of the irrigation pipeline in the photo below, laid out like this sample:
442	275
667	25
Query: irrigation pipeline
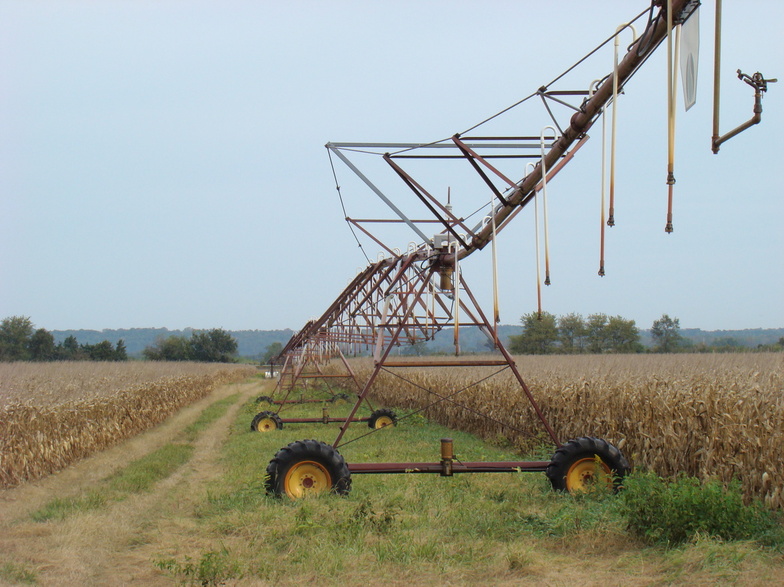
582	121
522	193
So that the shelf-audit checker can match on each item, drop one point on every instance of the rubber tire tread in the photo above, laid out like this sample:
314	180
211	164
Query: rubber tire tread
264	398
254	425
307	450
580	448
379	413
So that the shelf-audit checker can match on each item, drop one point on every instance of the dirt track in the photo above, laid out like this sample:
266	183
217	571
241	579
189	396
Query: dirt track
116	544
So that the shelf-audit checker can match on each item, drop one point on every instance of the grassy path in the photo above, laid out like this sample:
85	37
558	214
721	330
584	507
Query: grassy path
114	544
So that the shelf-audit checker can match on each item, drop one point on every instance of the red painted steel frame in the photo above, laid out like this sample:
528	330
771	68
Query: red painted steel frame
456	467
394	301
327	420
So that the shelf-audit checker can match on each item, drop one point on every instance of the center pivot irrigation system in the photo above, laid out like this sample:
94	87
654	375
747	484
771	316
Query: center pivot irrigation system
407	297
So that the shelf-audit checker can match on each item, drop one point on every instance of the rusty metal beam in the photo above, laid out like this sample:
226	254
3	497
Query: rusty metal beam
457	467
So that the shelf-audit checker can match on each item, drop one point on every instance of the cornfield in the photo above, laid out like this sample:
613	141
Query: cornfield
709	416
53	414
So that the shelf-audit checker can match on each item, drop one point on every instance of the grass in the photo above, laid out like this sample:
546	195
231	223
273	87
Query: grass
140	475
420	528
506	528
17	574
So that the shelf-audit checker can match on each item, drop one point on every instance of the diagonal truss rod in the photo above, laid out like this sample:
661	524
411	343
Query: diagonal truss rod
378	192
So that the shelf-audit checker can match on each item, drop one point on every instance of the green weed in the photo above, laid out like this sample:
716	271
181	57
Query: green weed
208	416
14	573
212	568
141	474
61	508
674	512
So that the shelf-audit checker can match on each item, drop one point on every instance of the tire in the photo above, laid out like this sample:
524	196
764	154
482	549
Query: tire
382	418
266	422
340	398
574	467
305	468
264	399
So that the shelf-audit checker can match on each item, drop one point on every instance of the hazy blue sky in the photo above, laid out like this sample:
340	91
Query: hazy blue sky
163	162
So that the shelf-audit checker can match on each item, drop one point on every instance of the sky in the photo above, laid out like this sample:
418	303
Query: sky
162	163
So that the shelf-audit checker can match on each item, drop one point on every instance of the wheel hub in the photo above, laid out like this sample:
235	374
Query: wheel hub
586	473
307	478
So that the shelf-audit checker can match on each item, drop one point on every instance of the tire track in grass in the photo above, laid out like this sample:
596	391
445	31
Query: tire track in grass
111	545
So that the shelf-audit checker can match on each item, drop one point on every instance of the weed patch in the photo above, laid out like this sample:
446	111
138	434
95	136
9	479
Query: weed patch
677	511
212	568
14	573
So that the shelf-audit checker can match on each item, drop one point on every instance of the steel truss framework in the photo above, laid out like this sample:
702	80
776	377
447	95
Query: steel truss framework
408	297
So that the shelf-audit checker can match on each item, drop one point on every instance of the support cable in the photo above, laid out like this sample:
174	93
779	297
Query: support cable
343	206
602	44
538	92
448	399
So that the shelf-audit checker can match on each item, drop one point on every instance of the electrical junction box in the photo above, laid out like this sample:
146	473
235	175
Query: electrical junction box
440	241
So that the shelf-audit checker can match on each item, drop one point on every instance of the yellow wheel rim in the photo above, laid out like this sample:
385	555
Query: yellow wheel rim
586	473
266	425
383	421
306	478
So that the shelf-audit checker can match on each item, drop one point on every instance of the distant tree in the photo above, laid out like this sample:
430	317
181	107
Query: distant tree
69	350
488	345
539	336
596	334
666	334
171	348
727	344
572	332
272	350
215	346
15	334
622	336
416	349
120	353
42	347
102	351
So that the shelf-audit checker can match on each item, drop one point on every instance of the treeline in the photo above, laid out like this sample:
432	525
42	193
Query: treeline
21	341
546	333
214	346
